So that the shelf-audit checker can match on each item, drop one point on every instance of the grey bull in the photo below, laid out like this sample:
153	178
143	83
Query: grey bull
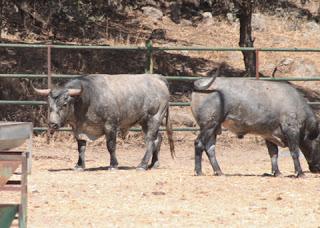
97	105
274	110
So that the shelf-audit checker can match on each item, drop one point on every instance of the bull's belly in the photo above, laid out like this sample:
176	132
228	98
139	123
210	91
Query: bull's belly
270	133
89	132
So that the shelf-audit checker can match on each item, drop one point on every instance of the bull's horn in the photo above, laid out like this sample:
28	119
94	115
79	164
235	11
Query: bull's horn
42	92
74	92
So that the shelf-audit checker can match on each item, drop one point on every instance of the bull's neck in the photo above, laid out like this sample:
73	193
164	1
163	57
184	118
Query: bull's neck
71	118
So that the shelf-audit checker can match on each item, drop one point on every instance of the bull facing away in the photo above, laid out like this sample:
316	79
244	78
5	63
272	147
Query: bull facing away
97	105
273	110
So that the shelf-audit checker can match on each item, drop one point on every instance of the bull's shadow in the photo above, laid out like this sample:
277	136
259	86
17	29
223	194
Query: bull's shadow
269	175
107	168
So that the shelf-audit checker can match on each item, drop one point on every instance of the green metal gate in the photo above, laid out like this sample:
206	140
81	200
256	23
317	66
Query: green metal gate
149	50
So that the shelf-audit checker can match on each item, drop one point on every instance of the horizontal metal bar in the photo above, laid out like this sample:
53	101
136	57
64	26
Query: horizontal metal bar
236	49
290	49
131	129
179	103
314	103
6	45
67	76
291	79
127	48
205	48
173	78
39	75
182	78
68	46
18	102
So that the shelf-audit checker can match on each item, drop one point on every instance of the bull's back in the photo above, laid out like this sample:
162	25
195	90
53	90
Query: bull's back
128	97
250	105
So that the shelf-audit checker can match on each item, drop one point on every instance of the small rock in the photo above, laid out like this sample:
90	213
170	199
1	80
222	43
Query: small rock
158	193
258	22
206	15
313	26
152	12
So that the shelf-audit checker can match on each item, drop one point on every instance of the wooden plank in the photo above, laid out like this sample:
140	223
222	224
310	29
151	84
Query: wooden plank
7	168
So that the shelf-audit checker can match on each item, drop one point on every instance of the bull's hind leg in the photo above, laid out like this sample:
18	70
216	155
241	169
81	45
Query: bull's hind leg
198	151
155	154
206	141
151	130
273	152
293	144
81	165
111	138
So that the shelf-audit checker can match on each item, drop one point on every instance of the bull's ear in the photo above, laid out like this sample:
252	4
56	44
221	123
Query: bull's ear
42	92
75	92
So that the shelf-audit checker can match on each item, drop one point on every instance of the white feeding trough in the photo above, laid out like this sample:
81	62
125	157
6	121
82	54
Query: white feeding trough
14	134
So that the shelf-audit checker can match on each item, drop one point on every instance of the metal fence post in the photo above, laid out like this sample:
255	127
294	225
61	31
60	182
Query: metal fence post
149	47
257	63
49	84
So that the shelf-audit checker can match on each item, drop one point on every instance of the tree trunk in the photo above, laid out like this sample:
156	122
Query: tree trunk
1	19
245	16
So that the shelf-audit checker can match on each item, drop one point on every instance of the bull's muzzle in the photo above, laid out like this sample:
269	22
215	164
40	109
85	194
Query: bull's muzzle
53	127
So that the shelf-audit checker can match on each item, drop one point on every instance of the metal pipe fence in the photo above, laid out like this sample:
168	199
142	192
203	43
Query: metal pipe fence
150	50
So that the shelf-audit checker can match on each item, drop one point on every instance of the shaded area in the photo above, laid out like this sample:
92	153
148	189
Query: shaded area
64	61
100	168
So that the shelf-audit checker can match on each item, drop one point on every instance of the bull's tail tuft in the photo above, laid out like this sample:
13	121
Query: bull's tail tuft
170	134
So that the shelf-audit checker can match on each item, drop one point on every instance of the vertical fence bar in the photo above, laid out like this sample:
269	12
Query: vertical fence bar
149	56
49	83
29	149
49	67
257	64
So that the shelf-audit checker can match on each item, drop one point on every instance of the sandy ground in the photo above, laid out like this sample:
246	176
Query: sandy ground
170	196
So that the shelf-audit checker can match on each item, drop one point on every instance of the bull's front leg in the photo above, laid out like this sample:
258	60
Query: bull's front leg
81	160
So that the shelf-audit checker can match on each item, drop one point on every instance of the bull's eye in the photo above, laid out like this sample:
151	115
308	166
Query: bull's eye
65	104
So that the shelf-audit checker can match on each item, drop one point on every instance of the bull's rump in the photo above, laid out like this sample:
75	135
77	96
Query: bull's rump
249	106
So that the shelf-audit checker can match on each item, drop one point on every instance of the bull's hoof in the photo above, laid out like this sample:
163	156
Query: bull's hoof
218	173
154	166
300	175
198	173
140	168
78	168
277	174
112	168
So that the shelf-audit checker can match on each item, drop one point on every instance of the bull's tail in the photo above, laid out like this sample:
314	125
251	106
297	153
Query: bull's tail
203	86
170	134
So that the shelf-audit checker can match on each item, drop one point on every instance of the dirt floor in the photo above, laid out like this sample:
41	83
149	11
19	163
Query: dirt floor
170	196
